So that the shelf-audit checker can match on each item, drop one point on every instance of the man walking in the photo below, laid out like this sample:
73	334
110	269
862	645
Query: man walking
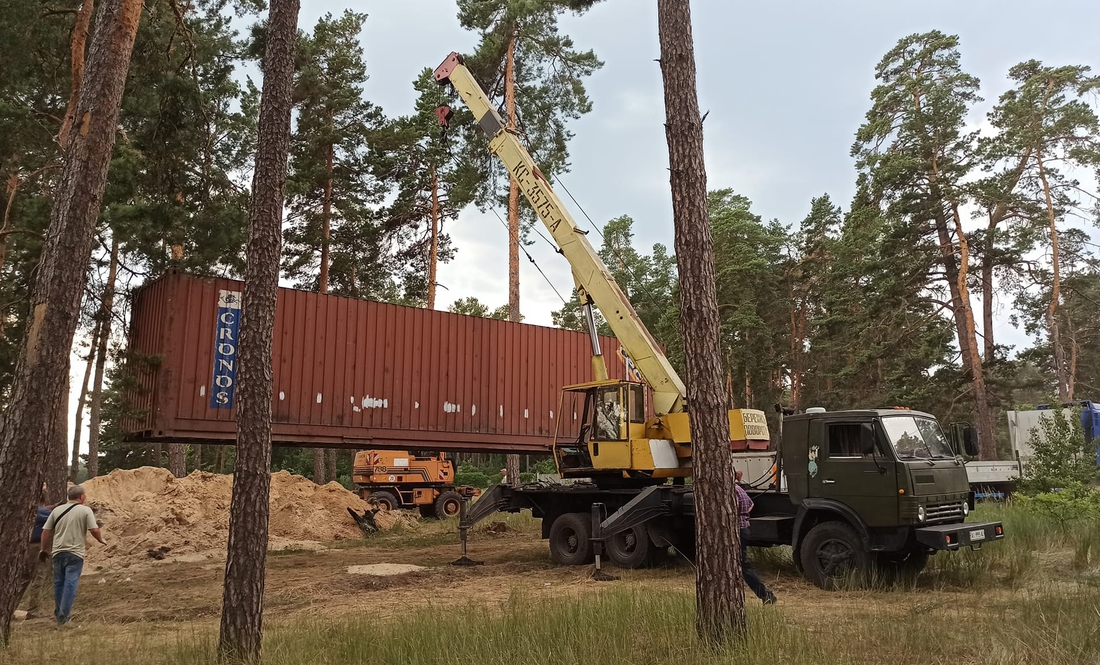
752	578
65	531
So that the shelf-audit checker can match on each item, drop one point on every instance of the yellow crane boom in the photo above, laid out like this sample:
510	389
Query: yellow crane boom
593	279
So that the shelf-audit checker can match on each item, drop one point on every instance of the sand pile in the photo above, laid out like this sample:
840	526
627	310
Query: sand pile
148	514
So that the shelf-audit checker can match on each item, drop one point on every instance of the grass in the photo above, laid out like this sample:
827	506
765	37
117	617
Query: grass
631	626
1031	599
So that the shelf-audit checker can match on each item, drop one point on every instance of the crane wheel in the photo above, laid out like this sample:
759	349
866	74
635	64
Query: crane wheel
384	500
428	511
631	548
569	539
448	504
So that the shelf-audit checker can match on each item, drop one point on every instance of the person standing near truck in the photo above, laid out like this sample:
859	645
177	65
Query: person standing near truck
64	534
752	578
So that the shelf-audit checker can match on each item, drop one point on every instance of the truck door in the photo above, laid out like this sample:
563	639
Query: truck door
855	470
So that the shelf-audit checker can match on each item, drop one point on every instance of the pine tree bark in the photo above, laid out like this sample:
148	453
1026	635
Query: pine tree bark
511	122
511	469
57	470
81	402
177	459
512	461
43	366
106	314
330	465
719	596
242	600
1053	328
77	43
319	466
433	251
987	289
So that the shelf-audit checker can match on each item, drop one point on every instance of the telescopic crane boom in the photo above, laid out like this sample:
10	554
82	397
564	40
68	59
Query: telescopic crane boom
594	281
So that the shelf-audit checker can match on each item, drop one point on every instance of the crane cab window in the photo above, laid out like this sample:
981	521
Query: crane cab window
610	415
636	398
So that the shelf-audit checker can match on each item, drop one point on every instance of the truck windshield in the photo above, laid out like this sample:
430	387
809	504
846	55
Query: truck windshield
916	437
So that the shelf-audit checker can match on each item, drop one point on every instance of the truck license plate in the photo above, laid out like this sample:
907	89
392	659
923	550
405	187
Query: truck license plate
977	534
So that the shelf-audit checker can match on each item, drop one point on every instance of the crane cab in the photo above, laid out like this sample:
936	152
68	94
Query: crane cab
614	436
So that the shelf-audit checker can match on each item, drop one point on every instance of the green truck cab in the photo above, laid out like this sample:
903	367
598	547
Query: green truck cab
881	487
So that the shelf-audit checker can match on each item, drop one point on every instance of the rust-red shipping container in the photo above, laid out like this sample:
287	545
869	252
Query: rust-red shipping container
354	373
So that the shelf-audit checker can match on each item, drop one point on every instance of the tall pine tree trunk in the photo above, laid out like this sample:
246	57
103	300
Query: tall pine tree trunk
719	596
326	243
177	459
987	289
42	369
81	402
330	465
242	601
512	461
77	42
57	469
106	313
433	251
955	269
1053	328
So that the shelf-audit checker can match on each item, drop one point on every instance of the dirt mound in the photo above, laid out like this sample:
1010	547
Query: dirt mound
147	514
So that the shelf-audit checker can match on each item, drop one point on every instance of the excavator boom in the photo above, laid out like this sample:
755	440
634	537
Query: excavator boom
589	270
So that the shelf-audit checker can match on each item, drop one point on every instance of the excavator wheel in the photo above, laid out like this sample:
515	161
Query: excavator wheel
428	511
384	500
448	504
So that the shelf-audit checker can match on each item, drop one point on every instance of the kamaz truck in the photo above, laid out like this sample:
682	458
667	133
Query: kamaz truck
878	486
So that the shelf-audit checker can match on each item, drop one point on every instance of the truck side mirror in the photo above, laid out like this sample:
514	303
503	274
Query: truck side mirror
970	441
867	438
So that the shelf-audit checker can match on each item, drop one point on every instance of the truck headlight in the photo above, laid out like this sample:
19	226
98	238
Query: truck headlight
920	513
966	508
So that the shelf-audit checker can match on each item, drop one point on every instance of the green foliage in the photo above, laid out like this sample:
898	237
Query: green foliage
471	306
330	181
1072	505
1061	459
549	85
475	477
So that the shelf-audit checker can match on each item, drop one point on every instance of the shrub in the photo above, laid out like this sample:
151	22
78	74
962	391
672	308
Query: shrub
1060	457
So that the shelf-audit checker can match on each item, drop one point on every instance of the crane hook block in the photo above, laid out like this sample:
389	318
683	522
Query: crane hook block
443	71
443	114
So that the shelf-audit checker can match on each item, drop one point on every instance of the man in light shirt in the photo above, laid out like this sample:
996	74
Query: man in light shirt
65	533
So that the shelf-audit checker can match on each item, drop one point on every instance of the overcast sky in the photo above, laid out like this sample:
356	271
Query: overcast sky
786	84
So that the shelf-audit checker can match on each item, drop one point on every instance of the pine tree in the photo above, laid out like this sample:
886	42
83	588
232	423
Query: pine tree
720	598
335	241
916	154
241	632
1047	127
41	373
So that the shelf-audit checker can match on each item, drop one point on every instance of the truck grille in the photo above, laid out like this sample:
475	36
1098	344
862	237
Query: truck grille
943	512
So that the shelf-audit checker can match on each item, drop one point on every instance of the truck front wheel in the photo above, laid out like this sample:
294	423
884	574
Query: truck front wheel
831	552
569	539
630	548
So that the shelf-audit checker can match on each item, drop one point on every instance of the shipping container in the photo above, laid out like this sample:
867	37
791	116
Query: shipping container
353	373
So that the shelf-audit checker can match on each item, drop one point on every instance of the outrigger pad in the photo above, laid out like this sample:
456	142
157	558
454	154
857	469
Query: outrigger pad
599	576
466	561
